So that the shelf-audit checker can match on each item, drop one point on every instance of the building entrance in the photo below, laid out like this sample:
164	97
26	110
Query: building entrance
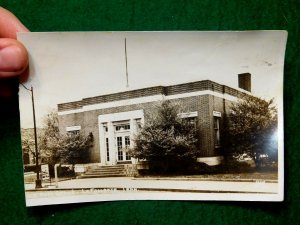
115	133
123	144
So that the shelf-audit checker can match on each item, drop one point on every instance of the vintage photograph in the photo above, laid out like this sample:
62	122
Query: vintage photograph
109	116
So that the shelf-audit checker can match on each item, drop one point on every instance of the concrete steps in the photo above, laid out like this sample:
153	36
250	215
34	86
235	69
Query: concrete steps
104	171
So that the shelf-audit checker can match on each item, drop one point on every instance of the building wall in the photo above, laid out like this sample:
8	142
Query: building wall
204	105
209	99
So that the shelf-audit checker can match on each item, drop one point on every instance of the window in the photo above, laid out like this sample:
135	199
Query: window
217	131
192	121
190	117
127	142
107	149
105	127
73	133
73	130
119	146
122	127
138	124
127	145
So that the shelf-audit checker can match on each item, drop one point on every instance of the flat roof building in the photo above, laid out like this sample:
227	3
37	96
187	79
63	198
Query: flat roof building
113	119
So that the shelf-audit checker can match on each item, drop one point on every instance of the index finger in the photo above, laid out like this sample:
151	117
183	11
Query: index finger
10	24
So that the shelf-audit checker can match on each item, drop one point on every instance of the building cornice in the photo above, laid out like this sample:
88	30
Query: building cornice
144	95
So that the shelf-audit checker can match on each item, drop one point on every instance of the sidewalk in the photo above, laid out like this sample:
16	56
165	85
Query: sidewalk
127	188
162	184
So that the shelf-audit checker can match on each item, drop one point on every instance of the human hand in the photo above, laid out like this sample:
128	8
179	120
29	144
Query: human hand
13	55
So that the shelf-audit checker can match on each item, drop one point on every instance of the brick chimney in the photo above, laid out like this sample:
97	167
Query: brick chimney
245	81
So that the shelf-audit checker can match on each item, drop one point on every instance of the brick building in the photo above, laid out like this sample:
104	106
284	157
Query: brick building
113	119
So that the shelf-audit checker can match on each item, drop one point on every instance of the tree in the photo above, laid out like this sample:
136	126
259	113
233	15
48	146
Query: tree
252	126
166	140
75	148
28	144
49	139
55	147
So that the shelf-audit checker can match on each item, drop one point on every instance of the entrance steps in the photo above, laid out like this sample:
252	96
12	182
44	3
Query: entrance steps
104	171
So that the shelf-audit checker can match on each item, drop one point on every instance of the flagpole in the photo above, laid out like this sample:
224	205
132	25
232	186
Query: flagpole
127	84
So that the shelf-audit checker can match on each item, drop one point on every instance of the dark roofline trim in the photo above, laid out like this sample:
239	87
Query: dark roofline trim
150	91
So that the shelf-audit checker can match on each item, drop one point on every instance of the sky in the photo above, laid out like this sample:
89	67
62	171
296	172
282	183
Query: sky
69	66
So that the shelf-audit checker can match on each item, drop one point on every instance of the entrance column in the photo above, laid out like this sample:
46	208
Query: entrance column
112	144
110	136
133	129
102	144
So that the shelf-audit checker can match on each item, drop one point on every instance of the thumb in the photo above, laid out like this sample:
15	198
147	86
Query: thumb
13	58
10	25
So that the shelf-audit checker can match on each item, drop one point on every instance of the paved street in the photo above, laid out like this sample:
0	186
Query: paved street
123	188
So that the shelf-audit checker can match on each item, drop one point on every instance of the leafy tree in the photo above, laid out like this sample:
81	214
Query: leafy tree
75	148
251	129
49	140
55	147
167	141
28	143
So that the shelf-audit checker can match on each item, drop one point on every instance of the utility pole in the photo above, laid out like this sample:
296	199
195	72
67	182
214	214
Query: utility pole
38	182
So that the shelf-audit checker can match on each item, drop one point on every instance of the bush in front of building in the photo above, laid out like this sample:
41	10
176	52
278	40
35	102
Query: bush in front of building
63	171
167	141
75	149
31	168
